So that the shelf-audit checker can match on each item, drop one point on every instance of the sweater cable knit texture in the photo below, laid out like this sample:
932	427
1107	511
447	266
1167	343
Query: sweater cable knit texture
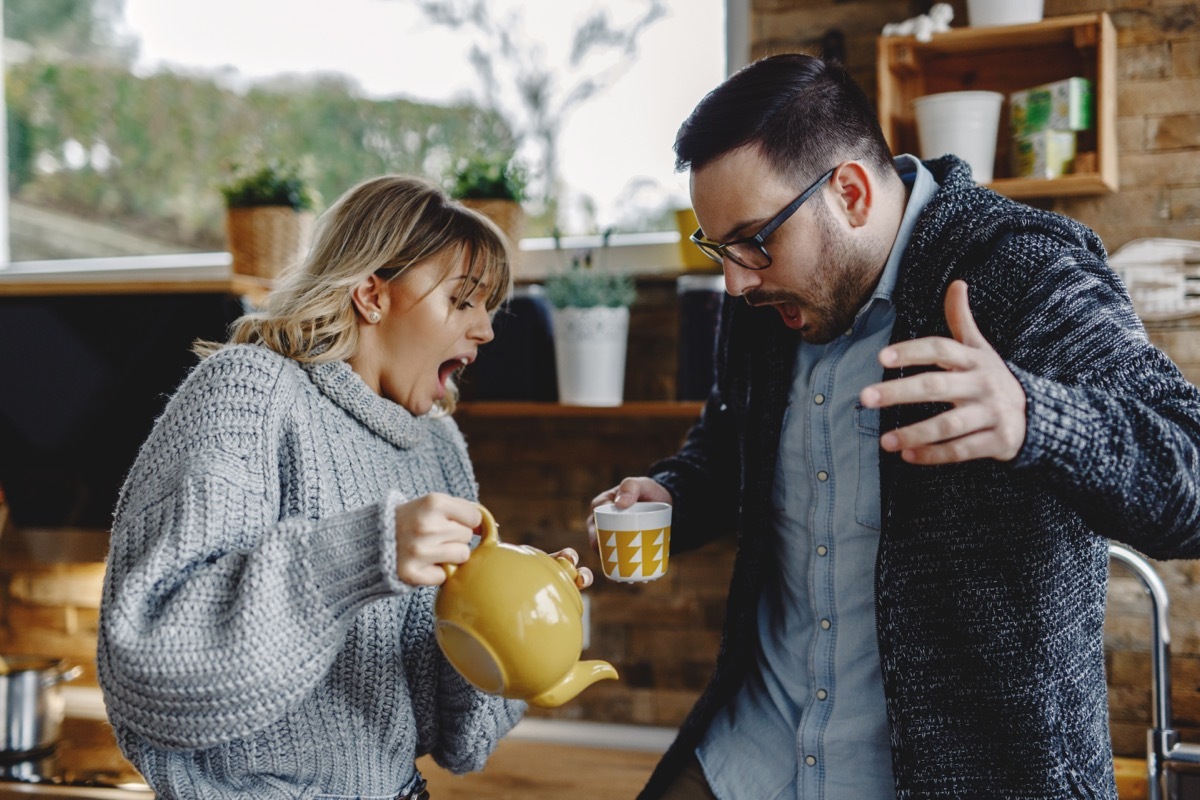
990	578
254	638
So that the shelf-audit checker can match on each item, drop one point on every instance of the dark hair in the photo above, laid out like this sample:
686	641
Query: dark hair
804	113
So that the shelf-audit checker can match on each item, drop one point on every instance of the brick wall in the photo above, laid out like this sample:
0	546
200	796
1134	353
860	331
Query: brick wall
1158	128
538	477
50	583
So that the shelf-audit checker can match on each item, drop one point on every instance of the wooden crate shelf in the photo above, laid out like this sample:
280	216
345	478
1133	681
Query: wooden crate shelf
1007	59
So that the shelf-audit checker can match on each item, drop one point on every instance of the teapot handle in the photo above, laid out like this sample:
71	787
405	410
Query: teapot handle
490	534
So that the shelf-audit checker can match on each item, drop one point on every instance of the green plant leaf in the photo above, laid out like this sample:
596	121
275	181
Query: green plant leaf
489	177
583	286
273	183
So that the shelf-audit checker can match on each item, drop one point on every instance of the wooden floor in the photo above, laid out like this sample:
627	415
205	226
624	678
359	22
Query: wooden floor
533	770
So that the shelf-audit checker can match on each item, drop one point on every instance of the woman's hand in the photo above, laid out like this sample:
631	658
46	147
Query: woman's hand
433	530
583	575
625	494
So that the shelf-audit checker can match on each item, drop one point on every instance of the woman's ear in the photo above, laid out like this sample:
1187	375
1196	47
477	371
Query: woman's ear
370	298
855	192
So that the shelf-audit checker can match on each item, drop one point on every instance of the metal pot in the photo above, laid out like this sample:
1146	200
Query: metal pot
31	705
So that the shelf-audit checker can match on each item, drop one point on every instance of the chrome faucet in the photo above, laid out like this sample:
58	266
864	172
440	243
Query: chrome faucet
1163	747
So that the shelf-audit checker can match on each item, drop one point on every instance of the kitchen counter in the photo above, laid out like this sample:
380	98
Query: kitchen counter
539	760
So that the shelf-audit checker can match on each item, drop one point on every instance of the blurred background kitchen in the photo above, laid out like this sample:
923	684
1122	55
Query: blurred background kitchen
125	118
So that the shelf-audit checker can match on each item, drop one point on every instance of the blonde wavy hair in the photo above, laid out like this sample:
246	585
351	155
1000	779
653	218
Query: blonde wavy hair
383	226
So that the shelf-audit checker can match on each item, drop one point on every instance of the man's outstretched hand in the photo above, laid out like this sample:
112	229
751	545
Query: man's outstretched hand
988	415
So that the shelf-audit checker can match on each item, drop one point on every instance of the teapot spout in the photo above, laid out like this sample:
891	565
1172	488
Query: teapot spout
583	675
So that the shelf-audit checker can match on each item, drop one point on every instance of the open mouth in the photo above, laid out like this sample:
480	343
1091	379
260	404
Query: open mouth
791	315
450	367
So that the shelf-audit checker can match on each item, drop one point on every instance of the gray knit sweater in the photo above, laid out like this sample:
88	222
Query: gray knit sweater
254	638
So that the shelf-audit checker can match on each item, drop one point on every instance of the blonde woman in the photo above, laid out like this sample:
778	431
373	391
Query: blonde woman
267	622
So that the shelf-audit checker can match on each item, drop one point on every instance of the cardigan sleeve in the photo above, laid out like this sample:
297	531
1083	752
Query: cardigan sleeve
1110	420
217	618
704	476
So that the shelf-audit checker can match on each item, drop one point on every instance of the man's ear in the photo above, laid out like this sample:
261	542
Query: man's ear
370	297
854	189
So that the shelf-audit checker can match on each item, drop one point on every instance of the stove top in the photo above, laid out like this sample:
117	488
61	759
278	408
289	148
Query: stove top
63	770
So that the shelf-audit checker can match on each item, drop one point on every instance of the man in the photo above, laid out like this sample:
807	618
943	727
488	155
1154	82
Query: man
930	413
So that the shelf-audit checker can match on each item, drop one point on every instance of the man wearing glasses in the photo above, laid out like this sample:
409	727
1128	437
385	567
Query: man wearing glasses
933	406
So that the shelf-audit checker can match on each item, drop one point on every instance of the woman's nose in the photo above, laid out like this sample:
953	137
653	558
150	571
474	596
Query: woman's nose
482	331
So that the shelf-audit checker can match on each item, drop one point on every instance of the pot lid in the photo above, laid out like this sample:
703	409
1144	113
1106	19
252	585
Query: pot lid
10	665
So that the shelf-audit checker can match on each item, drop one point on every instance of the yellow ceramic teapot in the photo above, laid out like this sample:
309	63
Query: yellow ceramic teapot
510	619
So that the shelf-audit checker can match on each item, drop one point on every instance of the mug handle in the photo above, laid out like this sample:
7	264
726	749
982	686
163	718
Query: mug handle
490	533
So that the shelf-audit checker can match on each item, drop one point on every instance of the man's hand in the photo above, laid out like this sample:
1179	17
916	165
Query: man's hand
625	494
988	417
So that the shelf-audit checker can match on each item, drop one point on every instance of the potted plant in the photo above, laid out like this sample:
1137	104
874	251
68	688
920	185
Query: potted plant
494	185
269	217
589	308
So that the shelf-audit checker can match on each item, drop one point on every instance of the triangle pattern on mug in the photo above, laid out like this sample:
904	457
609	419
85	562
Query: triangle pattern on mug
629	553
656	552
652	560
611	545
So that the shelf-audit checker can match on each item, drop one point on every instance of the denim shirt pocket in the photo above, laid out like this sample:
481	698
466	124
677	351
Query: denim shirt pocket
867	500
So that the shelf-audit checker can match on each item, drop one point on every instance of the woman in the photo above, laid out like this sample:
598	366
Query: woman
267	622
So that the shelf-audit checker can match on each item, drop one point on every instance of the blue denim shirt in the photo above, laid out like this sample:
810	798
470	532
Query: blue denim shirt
810	721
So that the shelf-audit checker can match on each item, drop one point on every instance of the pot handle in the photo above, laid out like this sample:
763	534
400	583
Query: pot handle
61	675
490	533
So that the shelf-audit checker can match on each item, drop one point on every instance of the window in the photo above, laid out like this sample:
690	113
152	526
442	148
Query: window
124	115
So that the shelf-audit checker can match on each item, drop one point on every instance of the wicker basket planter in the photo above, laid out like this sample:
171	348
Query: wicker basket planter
507	214
265	240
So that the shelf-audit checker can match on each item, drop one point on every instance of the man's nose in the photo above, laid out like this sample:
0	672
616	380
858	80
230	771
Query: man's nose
738	279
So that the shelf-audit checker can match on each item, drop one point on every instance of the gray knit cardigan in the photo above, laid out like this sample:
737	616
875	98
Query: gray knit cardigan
990	578
254	638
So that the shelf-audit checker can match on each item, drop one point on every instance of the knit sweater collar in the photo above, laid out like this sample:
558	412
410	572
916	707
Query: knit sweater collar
341	384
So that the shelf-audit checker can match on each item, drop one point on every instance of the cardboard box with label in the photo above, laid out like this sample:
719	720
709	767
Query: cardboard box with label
1045	154
1066	105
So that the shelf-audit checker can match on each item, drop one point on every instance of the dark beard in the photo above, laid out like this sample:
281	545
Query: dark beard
854	276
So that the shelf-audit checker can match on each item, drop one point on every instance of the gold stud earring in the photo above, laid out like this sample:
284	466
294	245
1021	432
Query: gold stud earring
373	317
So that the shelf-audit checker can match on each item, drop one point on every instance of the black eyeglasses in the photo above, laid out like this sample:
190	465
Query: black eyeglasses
751	252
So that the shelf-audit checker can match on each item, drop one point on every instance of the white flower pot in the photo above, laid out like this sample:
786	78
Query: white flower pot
589	355
986	13
962	123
